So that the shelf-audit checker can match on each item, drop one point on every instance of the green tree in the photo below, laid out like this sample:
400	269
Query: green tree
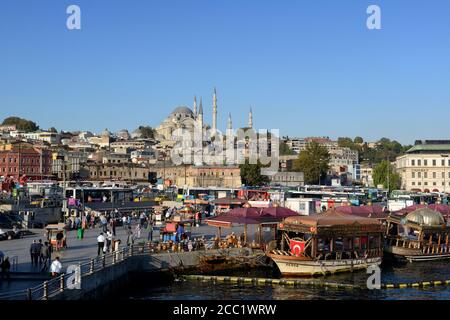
21	124
251	174
358	140
147	132
384	174
53	129
313	162
285	150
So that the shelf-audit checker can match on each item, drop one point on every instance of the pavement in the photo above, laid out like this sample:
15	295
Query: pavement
80	250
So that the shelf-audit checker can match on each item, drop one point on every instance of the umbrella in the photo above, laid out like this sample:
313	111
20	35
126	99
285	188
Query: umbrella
278	212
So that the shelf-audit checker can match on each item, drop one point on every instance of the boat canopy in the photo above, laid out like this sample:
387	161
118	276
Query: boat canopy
426	217
331	221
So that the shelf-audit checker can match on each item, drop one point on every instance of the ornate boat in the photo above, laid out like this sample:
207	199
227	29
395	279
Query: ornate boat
327	243
421	235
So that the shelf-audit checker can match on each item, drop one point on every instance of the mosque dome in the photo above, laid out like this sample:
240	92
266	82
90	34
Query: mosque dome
106	133
182	111
426	217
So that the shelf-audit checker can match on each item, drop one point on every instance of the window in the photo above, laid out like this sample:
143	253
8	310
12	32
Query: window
413	183
434	175
434	183
419	162
443	175
425	162
425	175
425	183
413	162
419	183
413	174
442	162
434	162
419	174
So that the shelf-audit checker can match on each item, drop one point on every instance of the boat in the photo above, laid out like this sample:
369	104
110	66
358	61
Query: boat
421	235
327	243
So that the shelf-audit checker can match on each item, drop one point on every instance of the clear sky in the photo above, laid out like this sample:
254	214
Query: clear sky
306	67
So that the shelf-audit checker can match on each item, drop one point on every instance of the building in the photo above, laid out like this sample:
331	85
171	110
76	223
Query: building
366	175
22	158
103	141
200	176
67	165
340	157
114	171
52	138
426	166
288	179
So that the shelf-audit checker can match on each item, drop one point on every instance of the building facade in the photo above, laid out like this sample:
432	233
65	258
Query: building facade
21	158
113	171
200	176
426	166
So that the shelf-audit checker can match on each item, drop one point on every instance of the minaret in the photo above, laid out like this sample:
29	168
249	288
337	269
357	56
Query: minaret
195	107
250	118
230	123
200	114
214	112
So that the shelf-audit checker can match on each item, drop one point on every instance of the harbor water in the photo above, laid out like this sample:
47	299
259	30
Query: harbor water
404	273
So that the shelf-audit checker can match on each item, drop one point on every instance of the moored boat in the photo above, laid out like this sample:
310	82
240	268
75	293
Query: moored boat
421	235
327	243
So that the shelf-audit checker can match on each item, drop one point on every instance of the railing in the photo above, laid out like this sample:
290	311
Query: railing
58	284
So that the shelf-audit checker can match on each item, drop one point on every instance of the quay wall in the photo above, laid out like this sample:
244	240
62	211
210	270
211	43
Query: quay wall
112	278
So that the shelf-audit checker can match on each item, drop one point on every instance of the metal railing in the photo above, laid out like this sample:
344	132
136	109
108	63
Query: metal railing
56	285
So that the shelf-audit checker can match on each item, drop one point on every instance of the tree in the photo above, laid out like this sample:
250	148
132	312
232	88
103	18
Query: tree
358	140
53	129
346	142
285	150
147	132
384	174
21	124
251	174
313	162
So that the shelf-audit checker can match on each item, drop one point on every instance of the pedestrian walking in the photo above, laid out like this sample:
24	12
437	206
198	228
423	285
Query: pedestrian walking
45	256
150	231
34	253
113	224
39	247
101	243
109	238
130	239
5	266
138	231
56	267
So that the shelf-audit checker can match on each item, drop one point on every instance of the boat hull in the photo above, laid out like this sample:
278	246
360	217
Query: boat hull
289	266
414	255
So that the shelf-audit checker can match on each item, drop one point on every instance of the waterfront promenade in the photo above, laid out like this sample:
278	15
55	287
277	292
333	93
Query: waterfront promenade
78	250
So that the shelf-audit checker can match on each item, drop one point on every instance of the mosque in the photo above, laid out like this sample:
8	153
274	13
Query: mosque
185	118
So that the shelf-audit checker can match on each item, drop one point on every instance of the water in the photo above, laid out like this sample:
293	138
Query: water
407	273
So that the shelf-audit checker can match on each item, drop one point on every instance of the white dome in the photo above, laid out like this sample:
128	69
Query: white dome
426	216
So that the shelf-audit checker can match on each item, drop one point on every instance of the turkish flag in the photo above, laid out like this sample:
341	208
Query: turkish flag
297	247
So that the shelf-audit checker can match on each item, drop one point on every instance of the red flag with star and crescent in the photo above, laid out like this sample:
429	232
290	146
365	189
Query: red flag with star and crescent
297	247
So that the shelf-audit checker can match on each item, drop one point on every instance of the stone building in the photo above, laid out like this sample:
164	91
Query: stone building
425	166
200	176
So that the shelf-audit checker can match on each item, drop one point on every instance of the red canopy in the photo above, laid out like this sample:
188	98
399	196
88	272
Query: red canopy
251	215
442	208
374	211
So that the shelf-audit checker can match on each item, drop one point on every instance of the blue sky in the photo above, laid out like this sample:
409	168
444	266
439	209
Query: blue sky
306	67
